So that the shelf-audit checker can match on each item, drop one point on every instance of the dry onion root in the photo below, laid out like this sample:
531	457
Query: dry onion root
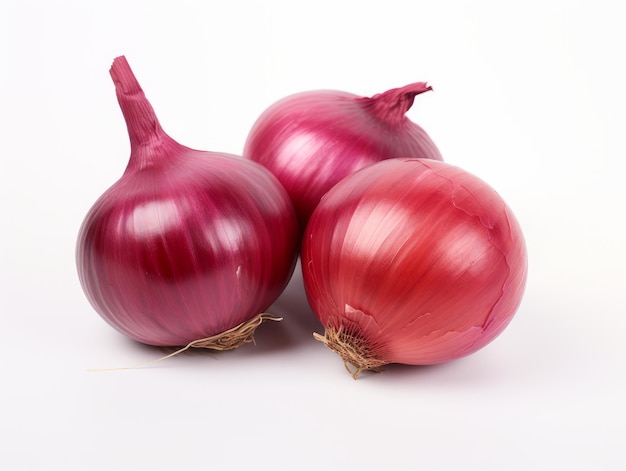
227	340
353	349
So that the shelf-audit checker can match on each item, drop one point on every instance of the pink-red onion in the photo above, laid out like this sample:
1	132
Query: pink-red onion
186	245
312	140
412	261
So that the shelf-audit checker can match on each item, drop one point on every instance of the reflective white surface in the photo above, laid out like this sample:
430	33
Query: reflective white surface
528	97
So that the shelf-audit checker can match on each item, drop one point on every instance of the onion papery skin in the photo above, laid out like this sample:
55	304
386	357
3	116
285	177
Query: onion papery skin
413	261
311	140
186	244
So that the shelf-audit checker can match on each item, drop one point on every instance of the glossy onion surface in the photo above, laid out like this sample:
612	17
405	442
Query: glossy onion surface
312	140
415	261
187	244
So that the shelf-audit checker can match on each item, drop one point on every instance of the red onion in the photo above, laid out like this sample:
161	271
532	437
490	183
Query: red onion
312	140
412	261
187	245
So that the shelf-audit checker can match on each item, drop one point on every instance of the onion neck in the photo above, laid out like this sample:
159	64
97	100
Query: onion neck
392	105
149	144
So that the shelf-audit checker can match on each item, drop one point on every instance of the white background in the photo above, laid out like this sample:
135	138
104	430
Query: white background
527	95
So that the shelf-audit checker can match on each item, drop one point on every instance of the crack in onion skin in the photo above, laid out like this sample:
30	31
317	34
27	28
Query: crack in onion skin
187	244
312	140
420	258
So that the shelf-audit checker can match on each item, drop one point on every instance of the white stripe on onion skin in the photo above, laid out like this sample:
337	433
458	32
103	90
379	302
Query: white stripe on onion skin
187	244
312	140
412	261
